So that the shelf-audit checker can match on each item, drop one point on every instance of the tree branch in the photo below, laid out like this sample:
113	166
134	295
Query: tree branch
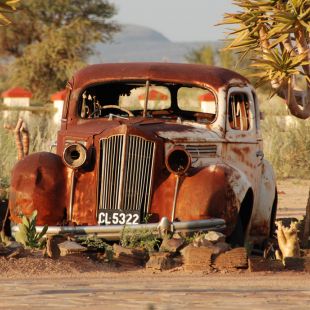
265	48
302	46
289	94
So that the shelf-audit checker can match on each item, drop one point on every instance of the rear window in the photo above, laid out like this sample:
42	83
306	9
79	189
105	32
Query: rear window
199	100
158	98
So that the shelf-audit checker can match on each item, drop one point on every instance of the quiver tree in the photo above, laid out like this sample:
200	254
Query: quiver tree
6	8
278	32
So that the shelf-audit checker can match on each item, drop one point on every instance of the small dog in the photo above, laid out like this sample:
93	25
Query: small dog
287	240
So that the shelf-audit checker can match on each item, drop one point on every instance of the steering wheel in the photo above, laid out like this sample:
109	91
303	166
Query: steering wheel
112	106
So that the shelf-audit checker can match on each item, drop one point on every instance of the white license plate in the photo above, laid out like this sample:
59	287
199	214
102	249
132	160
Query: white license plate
118	217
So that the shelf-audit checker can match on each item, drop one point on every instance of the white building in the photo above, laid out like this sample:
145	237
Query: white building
16	97
58	100
156	100
207	103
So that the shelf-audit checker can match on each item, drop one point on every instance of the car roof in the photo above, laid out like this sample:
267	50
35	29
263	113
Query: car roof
203	75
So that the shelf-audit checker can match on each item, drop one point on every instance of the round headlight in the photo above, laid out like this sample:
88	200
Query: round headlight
178	161
75	155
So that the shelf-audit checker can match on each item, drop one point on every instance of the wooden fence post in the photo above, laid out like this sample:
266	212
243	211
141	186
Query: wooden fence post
21	134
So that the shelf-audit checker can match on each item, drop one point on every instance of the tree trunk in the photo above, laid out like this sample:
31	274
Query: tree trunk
289	94
305	238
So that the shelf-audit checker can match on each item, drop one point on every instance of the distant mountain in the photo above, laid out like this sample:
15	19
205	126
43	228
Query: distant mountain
137	43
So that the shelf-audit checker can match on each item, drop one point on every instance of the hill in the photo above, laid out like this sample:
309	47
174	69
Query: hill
138	43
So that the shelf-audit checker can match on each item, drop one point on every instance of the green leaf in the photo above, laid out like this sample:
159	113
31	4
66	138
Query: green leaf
4	20
42	233
33	216
25	221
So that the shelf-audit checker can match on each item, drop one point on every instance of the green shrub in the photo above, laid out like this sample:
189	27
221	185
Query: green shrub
93	242
288	149
27	234
139	238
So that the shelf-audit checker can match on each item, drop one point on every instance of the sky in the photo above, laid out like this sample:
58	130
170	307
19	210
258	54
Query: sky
178	20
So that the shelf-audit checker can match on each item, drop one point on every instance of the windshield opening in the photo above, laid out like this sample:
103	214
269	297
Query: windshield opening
164	100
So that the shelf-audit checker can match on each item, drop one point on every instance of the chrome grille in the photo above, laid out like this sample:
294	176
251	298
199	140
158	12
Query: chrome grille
199	151
126	173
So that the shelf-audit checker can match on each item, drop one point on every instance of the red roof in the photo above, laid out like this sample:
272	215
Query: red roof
60	95
16	92
154	95
206	97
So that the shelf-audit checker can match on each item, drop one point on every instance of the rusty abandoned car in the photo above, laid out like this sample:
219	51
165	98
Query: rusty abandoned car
179	144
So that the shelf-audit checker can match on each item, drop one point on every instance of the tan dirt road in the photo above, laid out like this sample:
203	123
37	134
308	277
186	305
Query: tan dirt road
143	290
69	285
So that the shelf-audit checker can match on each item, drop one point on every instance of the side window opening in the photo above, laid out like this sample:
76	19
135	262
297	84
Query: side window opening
238	112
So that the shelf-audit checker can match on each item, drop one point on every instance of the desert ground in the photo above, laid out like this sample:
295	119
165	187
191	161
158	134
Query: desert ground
76	283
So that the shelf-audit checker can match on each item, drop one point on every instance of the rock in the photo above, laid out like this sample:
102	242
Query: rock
129	257
52	242
201	241
215	237
160	261
221	247
70	247
236	258
217	248
197	258
257	264
297	263
4	250
171	245
18	252
12	250
13	245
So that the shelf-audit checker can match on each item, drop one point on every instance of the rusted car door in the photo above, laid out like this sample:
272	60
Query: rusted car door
243	148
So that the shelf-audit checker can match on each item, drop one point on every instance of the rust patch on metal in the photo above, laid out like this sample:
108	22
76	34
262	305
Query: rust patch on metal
196	74
38	183
202	195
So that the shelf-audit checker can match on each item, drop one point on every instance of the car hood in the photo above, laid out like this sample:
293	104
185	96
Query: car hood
185	133
167	130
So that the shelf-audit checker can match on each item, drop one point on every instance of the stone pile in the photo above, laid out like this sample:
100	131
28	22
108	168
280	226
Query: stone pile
129	257
210	252
207	252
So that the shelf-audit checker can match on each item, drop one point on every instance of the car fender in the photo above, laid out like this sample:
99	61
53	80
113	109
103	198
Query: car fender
39	182
213	191
239	183
261	225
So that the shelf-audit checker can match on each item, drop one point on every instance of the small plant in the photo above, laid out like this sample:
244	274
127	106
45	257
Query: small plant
139	238
27	234
147	218
3	238
188	239
99	245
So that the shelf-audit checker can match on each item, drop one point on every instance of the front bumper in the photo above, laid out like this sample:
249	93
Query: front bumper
114	232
